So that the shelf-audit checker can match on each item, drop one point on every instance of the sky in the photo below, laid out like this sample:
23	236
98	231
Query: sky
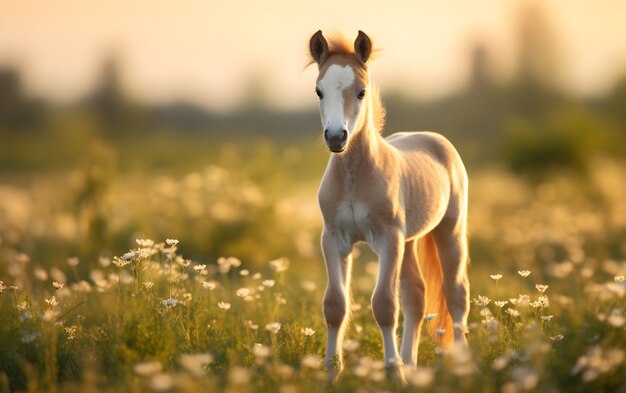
209	52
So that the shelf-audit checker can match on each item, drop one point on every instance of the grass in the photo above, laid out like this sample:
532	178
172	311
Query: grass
236	304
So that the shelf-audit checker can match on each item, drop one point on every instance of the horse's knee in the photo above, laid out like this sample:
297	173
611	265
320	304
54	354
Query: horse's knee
335	308
385	308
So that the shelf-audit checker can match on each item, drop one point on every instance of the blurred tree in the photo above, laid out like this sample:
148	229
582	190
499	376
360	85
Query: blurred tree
568	139
535	87
257	94
114	112
616	103
16	111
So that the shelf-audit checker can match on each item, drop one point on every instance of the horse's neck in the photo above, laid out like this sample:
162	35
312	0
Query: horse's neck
365	153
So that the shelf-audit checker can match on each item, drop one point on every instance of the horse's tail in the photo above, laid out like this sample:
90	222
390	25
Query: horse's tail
433	280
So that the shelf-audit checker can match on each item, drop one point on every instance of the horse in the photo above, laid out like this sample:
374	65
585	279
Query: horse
405	195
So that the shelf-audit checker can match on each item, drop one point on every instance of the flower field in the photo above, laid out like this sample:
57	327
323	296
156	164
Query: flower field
212	280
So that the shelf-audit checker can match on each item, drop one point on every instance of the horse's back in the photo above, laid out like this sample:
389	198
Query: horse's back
432	144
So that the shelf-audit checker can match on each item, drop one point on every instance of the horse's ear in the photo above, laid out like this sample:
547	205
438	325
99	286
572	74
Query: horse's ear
318	47
362	47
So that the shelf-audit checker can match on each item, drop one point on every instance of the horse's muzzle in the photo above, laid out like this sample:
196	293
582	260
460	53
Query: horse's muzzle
336	142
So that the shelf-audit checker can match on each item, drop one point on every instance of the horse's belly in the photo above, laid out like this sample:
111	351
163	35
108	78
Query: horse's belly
423	214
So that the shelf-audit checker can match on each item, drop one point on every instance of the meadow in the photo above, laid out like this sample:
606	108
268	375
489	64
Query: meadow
205	274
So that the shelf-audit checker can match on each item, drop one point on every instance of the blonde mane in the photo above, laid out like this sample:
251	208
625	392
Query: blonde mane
339	44
378	109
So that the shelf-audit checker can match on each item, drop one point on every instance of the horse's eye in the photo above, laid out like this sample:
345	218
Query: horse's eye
319	93
361	94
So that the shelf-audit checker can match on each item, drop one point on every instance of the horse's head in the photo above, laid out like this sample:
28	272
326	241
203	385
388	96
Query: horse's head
341	86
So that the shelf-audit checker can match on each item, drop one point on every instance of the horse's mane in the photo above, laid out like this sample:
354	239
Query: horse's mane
339	44
378	108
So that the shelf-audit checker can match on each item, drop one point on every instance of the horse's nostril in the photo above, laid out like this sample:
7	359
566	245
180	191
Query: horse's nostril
344	136
326	134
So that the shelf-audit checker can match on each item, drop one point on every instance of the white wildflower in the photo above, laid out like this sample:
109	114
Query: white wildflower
280	299
523	273
308	285
58	285
307	331
421	377
261	352
523	300
171	242
210	285
311	361
119	262
239	375
71	332
145	243
496	277
500	363
242	292
224	265
50	315
541	288
252	325
40	274
273	327
350	345
482	301
170	302
195	363
161	382
616	318
279	265
596	362
512	312
52	301
223	305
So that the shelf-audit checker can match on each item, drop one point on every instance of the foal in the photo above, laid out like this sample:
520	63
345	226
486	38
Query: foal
406	195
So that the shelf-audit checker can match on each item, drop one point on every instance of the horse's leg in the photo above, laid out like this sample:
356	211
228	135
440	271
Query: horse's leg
336	301
451	240
385	297
412	301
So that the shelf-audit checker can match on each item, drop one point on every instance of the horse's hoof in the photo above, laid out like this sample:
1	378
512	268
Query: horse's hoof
334	368
395	374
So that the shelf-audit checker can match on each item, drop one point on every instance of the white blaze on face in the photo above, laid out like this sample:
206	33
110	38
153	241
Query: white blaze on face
335	80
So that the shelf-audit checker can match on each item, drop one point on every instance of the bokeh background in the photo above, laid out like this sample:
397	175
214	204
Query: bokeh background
198	121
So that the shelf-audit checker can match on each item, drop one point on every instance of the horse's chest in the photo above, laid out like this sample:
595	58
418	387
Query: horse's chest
356	220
